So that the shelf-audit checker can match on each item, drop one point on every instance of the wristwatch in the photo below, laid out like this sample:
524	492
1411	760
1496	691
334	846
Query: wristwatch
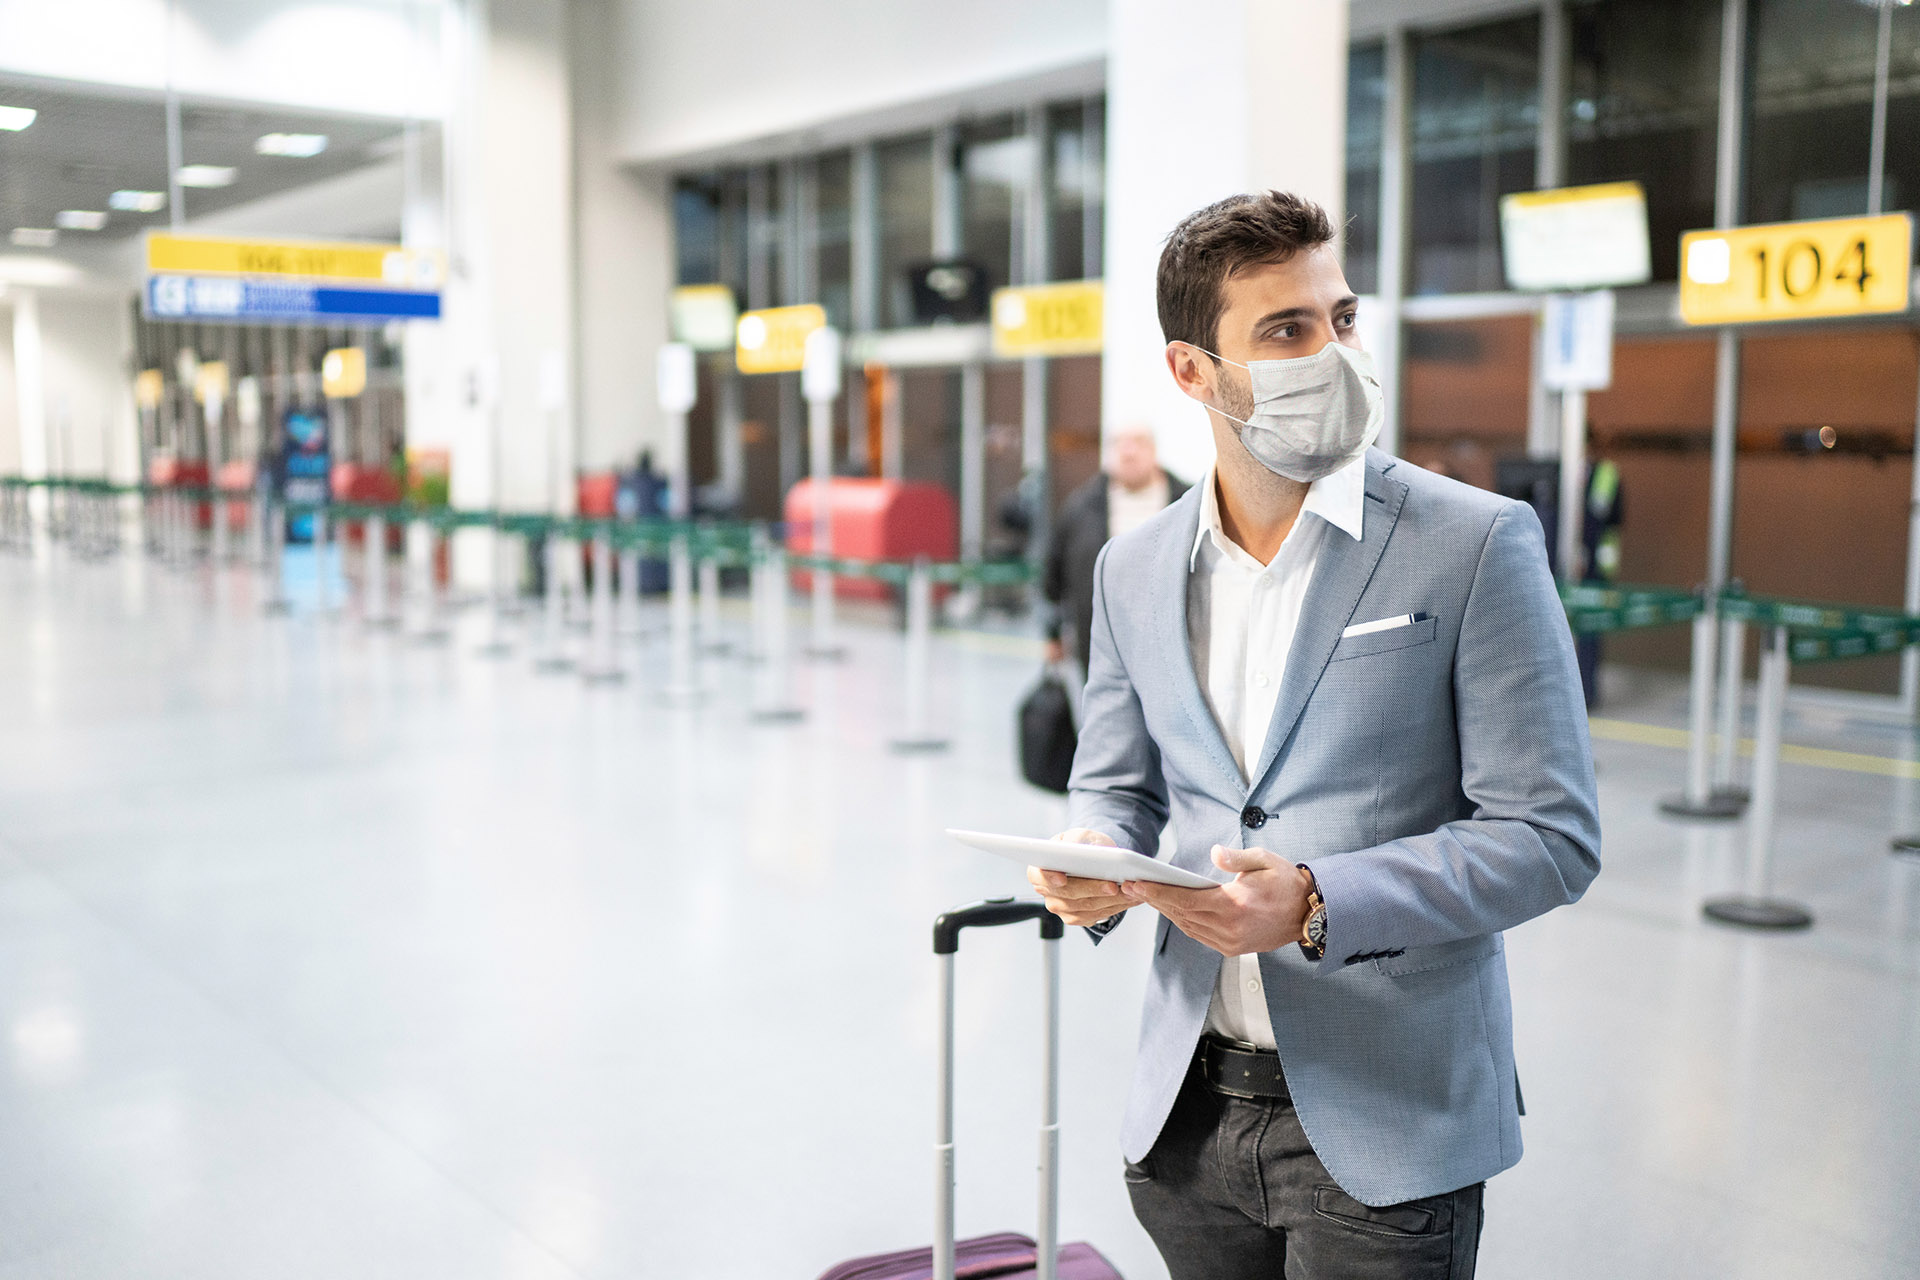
1313	934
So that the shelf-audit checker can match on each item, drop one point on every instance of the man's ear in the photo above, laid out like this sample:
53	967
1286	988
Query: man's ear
1192	372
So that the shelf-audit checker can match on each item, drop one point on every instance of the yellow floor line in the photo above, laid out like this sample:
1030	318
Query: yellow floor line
1653	735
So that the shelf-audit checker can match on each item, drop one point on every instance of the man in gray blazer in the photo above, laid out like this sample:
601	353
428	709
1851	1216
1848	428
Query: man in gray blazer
1349	686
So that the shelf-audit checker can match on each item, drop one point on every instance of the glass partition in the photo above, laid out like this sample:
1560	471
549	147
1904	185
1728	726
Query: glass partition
1366	103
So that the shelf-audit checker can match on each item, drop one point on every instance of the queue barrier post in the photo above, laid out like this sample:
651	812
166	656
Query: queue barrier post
630	611
917	738
1726	788
1698	800
1756	907
422	589
492	605
556	660
604	668
273	533
376	610
711	641
683	688
772	702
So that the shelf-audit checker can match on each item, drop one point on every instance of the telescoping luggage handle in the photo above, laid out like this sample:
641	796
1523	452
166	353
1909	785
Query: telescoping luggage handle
946	942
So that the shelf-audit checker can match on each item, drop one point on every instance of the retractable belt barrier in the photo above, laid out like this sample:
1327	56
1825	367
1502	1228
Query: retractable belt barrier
1797	631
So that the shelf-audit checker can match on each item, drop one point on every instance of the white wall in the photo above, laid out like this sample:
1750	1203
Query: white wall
697	77
9	406
68	402
375	57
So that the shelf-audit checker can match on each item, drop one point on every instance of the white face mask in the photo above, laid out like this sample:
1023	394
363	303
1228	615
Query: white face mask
1312	415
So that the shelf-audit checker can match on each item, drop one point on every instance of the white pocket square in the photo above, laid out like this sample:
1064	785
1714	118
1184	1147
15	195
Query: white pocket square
1382	624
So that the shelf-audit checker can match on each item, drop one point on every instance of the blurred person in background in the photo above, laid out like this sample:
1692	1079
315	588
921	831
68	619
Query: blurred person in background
1129	492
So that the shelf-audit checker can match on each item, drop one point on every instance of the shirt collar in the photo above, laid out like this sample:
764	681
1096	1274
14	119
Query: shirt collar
1339	499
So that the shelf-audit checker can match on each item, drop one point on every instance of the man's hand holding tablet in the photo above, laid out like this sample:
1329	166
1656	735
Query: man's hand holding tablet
1074	899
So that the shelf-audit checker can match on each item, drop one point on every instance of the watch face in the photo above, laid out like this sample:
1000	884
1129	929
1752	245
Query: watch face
1317	928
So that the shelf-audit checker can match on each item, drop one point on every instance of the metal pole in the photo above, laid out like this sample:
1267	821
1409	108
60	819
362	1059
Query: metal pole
555	661
682	689
773	705
919	662
820	446
1877	143
423	595
1733	653
1755	908
943	1225
275	519
374	531
1048	1231
711	640
1396	186
1573	484
322	533
630	591
604	667
1698	800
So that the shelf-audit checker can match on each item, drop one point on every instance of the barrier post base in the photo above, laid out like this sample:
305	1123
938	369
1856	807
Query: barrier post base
278	607
604	676
493	649
1908	846
555	664
1718	805
682	697
918	746
431	637
1758	913
1733	795
777	715
825	652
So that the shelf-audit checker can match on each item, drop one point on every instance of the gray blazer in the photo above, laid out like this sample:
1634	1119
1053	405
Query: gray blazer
1437	779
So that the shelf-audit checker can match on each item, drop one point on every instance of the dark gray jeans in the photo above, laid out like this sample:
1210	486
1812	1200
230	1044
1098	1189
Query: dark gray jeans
1233	1191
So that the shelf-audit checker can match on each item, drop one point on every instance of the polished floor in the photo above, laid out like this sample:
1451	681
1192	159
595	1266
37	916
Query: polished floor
325	953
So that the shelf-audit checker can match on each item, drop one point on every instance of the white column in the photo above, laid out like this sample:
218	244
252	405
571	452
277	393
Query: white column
29	383
510	302
1169	153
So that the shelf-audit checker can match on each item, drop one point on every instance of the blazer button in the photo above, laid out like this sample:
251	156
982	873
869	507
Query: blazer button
1253	816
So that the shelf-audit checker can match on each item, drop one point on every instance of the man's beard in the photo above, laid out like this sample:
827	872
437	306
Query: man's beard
1237	402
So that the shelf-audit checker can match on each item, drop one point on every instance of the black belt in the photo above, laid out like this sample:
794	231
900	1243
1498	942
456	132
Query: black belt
1240	1071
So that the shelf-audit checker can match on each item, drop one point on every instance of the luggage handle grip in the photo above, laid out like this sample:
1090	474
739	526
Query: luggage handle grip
989	913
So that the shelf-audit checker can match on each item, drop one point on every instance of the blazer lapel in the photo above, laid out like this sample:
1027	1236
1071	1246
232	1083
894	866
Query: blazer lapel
1344	570
1171	576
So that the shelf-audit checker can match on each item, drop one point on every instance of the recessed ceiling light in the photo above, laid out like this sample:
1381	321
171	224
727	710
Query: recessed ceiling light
138	201
34	237
14	119
207	175
80	219
301	145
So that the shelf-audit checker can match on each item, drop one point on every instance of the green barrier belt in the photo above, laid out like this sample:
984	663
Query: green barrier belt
1594	610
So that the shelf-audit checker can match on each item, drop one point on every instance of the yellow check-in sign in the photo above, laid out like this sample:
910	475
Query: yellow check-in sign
373	264
1065	319
1797	270
774	339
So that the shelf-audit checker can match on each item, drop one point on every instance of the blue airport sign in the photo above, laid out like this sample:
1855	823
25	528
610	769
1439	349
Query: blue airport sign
182	297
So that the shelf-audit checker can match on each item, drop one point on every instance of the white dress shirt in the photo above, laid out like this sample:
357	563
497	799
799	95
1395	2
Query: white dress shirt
1241	619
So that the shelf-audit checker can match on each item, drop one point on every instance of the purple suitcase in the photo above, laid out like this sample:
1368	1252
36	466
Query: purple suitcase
1005	1254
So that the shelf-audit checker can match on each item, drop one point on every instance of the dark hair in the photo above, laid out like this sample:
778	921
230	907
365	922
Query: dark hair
1211	244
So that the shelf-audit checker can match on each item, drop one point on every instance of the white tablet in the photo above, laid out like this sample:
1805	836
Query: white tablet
1093	861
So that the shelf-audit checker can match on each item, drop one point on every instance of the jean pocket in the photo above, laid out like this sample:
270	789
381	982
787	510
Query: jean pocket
1411	1219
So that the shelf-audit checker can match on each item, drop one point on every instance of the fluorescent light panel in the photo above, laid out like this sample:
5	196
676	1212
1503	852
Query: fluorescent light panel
14	119
299	145
80	219
207	175
34	237
138	201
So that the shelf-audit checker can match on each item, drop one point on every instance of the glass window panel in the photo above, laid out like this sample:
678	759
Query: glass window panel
1068	161
995	159
1643	103
1366	100
833	222
696	230
906	221
1475	121
1076	133
1812	110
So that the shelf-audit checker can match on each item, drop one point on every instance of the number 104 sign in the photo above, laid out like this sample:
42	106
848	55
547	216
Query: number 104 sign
1797	270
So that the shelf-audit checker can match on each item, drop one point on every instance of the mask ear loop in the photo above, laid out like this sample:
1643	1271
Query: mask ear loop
1236	364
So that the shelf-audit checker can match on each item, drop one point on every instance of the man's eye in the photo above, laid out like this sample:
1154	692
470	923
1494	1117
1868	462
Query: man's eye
1350	319
1287	331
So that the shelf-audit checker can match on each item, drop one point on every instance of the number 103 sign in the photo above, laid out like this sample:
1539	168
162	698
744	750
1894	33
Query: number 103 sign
1797	270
